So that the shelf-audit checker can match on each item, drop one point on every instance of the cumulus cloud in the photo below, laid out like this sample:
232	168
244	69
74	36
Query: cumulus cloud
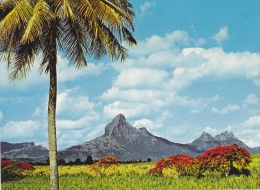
227	109
139	77
158	71
128	109
145	7
221	35
21	129
83	122
71	103
153	125
65	72
251	99
248	131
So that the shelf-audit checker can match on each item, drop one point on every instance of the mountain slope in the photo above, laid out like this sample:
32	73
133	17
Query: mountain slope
126	143
6	147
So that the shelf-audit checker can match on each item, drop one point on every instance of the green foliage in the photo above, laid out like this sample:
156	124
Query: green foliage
14	170
104	163
133	180
226	160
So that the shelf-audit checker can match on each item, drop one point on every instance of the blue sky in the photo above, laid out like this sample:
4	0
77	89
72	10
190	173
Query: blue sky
196	68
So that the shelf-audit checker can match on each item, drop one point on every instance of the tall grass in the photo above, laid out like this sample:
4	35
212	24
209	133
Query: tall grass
134	176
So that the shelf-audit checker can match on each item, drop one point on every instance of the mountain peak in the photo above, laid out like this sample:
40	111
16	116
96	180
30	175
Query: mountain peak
225	136
119	118
119	127
205	136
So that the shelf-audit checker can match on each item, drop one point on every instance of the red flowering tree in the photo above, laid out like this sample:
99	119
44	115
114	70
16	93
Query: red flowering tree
14	170
226	159
104	163
181	163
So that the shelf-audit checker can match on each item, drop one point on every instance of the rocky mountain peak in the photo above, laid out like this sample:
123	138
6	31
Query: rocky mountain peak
119	118
119	127
206	137
225	136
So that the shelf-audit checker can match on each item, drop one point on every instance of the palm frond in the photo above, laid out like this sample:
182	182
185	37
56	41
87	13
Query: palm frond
18	17
23	59
6	7
124	17
74	43
41	17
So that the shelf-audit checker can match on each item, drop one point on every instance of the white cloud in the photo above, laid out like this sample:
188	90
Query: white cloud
145	7
20	129
128	109
65	72
248	131
158	44
251	99
212	132
153	125
76	124
222	35
71	103
135	77
227	109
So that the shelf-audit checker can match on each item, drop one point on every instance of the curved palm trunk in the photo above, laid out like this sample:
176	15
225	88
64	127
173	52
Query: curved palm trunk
52	58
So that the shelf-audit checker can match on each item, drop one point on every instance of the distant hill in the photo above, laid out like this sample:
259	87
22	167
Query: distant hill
126	142
5	146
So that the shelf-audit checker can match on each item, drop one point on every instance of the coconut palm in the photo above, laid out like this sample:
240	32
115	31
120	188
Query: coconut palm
80	28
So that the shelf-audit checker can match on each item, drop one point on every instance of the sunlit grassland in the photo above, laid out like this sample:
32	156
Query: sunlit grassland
134	176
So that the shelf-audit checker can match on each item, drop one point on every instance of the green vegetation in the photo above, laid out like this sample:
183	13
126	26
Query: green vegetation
135	176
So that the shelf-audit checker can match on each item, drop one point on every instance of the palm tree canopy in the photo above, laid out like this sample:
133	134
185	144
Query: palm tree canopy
80	28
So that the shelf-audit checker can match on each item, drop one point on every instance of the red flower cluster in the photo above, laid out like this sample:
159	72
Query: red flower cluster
179	162
108	160
224	159
13	170
21	165
103	164
24	166
217	159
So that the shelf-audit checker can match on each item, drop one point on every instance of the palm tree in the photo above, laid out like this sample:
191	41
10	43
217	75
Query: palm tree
80	28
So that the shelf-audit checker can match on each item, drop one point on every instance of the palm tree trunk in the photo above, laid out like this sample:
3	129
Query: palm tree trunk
54	175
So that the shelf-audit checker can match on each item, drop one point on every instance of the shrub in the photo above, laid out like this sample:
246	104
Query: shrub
78	161
228	160
104	163
14	170
181	163
89	160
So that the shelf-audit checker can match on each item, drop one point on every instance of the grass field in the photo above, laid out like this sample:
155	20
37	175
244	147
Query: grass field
133	176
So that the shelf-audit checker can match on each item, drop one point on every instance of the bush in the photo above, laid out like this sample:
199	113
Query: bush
228	160
181	163
78	161
14	170
104	163
89	160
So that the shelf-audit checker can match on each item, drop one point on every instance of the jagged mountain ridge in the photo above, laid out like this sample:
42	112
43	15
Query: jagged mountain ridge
126	143
6	147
